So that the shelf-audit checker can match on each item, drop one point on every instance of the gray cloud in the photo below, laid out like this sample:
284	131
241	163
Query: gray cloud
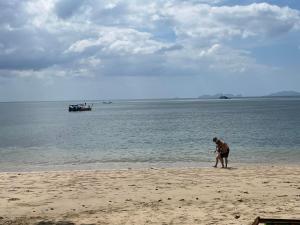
66	8
12	14
29	49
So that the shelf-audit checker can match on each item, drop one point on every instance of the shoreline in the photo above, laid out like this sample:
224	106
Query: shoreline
151	196
136	166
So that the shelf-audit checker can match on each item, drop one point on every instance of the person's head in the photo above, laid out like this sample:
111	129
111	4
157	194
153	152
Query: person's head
215	139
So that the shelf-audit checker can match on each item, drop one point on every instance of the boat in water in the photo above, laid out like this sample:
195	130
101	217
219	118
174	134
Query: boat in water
80	107
223	97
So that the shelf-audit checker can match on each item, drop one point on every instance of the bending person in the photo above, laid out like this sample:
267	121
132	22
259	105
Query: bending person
222	149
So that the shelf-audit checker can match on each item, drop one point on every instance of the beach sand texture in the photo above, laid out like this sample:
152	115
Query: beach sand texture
151	196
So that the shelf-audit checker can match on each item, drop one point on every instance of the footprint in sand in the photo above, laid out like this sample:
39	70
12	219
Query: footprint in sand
237	216
55	223
280	196
13	199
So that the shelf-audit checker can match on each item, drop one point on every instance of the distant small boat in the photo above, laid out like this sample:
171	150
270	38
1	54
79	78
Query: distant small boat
80	107
224	97
109	102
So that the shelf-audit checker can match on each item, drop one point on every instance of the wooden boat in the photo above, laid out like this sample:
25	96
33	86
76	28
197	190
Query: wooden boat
80	107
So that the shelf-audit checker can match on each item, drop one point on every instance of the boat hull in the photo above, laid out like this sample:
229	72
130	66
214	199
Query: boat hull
80	109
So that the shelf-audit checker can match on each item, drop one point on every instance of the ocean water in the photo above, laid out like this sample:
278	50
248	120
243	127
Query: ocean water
145	133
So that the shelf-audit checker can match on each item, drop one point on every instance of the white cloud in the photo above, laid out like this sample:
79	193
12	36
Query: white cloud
120	41
216	58
90	61
40	74
40	11
226	22
210	51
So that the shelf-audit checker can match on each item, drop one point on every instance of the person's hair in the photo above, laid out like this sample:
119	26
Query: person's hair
215	139
218	142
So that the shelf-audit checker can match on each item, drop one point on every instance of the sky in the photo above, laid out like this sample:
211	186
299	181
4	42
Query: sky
135	49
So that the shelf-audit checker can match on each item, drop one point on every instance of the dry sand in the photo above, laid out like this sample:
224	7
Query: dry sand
151	196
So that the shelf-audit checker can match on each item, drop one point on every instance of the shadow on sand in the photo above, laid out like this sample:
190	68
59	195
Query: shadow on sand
58	223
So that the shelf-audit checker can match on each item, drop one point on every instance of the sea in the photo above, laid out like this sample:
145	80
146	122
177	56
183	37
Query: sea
43	136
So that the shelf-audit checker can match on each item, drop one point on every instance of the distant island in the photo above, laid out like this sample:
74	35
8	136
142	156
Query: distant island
229	96
220	96
284	94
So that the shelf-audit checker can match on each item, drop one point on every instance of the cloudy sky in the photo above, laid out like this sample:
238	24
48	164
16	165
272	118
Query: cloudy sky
97	49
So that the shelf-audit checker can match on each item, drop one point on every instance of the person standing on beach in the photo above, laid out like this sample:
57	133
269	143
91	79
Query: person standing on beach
222	149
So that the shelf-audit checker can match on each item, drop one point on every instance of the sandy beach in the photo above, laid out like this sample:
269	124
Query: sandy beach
150	196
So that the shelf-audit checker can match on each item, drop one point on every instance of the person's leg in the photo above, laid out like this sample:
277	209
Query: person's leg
221	159
217	159
226	161
222	162
226	157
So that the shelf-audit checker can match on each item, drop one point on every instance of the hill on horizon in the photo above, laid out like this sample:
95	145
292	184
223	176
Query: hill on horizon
285	93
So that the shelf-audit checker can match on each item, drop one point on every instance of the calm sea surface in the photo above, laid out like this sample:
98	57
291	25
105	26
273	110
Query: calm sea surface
144	133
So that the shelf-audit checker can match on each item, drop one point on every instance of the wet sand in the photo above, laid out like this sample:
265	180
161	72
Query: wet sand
150	196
